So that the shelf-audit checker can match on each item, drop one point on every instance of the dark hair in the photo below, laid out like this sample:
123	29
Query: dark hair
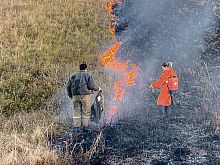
83	66
165	64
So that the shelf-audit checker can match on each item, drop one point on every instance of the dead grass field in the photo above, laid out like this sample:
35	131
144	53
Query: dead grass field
41	43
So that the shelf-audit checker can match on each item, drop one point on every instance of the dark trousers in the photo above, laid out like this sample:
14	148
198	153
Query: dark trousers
166	110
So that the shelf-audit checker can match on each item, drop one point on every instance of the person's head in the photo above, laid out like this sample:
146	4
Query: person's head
83	66
170	64
165	66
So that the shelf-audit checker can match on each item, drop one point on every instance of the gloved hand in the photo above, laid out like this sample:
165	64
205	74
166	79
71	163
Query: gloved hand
100	89
150	87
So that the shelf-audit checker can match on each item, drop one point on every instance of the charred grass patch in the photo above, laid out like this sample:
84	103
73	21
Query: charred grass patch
189	135
41	43
148	140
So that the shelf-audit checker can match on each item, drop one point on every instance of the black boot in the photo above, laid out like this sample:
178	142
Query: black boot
166	110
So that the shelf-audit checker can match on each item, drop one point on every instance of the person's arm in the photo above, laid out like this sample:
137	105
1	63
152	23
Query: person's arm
159	82
91	84
68	88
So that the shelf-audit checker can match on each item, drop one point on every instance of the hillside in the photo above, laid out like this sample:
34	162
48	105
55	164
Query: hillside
151	32
42	43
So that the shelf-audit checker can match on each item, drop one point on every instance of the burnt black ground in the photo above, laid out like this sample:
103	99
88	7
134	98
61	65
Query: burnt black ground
152	139
189	136
149	138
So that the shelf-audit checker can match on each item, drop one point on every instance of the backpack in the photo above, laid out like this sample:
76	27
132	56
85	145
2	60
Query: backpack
173	83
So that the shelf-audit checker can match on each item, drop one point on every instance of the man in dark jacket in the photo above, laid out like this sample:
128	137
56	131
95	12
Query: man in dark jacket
79	88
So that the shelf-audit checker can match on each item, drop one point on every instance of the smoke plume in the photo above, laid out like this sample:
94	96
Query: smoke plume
159	31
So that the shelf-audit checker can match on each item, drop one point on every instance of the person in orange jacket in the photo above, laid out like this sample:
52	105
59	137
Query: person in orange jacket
165	97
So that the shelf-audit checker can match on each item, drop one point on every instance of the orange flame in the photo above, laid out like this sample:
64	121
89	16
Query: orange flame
119	90
112	111
131	75
110	4
110	8
109	60
112	30
121	67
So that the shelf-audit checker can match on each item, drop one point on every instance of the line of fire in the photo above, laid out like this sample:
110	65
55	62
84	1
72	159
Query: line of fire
126	70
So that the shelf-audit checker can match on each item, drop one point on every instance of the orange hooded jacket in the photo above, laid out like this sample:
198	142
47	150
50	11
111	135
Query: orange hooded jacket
164	98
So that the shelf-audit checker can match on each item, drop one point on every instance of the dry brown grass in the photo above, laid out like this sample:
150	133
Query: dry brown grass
24	139
41	43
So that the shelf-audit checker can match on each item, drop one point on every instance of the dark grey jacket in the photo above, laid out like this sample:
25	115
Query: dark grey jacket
81	83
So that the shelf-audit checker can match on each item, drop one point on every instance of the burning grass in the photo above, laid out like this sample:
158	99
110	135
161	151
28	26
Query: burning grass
126	71
42	41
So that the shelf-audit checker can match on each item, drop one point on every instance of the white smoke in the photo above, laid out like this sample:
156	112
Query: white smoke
160	31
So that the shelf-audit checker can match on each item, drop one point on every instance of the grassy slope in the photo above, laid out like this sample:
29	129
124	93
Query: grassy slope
41	42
